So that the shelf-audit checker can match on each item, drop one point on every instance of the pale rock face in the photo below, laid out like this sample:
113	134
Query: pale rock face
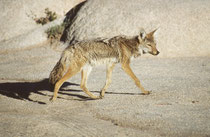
183	25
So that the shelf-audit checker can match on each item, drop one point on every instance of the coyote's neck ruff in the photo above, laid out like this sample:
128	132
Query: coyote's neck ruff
86	54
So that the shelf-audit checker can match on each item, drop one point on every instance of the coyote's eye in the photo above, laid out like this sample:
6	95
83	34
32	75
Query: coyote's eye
149	45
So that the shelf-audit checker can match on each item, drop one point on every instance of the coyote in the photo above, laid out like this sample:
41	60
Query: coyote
84	55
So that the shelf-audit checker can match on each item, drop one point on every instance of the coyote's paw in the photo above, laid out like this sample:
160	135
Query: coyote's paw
96	97
146	93
101	95
52	99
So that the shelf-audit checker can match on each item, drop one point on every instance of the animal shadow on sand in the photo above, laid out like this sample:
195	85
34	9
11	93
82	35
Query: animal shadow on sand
23	90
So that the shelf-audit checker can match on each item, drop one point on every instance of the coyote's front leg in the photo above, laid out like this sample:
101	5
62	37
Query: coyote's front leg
109	70
127	69
85	73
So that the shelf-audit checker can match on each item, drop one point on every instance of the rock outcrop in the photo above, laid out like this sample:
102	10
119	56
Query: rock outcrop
183	25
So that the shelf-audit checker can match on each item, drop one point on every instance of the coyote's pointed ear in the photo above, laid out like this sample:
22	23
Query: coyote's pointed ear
152	33
142	35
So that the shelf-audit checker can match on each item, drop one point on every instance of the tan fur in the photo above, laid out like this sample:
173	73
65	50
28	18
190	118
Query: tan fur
84	55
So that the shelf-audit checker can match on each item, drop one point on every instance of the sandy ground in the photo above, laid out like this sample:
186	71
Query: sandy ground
178	106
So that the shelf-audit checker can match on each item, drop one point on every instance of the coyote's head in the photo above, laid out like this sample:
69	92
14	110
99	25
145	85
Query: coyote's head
147	42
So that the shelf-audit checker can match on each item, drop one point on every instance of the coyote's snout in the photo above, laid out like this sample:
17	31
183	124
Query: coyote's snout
84	55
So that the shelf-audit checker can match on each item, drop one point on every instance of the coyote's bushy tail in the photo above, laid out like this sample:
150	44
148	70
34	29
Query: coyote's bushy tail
58	71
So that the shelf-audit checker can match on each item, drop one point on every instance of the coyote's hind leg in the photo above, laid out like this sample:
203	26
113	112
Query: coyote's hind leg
71	72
